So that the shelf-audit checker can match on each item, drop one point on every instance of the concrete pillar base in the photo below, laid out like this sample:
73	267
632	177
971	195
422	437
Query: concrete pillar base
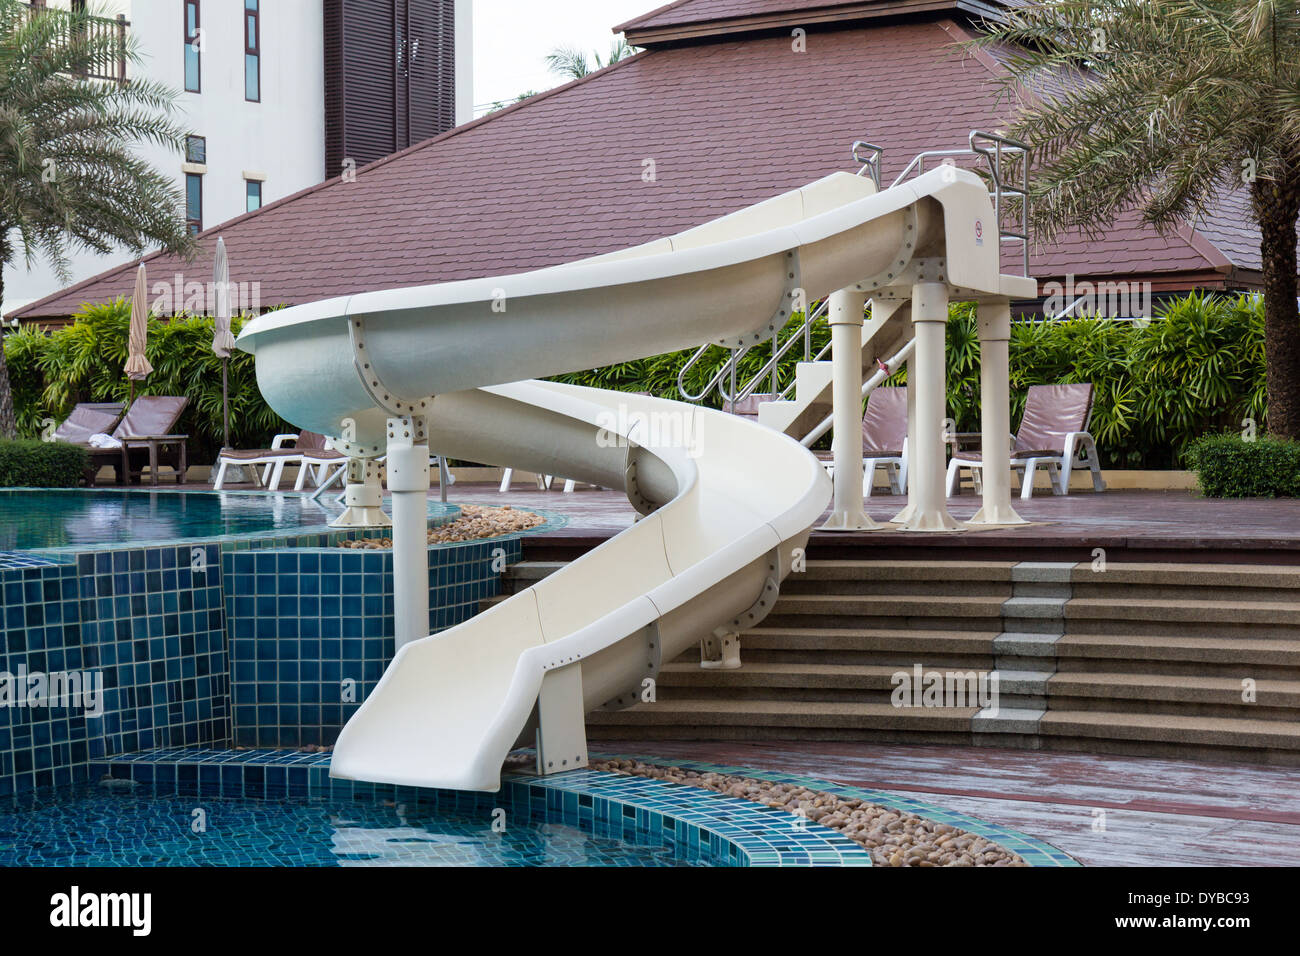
996	516
362	498
851	521
932	521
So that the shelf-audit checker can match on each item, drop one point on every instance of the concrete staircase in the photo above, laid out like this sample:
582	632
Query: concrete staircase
1155	659
883	334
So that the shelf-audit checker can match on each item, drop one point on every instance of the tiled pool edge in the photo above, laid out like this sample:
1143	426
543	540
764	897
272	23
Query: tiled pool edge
1035	852
160	618
726	830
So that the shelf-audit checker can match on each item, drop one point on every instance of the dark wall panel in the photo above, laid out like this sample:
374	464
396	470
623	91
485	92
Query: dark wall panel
390	76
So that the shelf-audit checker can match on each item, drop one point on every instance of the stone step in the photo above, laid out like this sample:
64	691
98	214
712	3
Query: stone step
938	571
1174	693
797	584
1273	614
706	714
908	640
1276	658
1205	732
525	574
846	606
1189	575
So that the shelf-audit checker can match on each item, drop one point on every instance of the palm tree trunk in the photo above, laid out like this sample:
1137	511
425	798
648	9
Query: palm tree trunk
8	423
1277	210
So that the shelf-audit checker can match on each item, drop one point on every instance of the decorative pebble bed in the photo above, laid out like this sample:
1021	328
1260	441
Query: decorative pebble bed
475	523
893	837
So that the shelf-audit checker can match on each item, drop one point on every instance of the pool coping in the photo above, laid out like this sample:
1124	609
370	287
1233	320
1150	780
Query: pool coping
438	511
687	815
1035	852
692	821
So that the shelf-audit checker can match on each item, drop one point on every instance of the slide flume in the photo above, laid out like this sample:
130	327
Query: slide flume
725	502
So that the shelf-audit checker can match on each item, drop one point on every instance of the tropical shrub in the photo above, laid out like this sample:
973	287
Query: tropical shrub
83	362
38	464
1197	367
1229	466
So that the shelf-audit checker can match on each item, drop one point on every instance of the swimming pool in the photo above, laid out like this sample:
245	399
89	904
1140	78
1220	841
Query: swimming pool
53	519
94	826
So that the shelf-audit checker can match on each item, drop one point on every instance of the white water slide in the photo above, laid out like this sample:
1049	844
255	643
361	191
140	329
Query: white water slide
724	501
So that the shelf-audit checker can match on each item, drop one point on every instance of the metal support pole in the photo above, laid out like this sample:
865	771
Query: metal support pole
927	466
845	319
994	320
910	508
408	480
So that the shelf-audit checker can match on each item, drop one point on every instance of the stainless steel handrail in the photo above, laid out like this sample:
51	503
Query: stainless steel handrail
715	382
1006	146
1000	156
773	363
870	165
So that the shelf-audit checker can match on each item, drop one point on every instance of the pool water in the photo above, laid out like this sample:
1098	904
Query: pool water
94	826
61	519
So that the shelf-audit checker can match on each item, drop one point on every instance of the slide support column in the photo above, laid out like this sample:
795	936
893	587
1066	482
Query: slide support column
926	469
408	480
363	497
845	319
994	319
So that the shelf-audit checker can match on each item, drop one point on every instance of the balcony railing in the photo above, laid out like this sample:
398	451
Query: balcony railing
109	34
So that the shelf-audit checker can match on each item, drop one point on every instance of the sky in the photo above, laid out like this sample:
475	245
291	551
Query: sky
512	38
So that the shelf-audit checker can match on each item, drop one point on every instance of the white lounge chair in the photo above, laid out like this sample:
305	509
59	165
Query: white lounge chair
1053	434
310	451
884	441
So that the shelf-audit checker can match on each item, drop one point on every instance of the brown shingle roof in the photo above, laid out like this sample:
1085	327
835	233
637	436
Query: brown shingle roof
694	19
560	176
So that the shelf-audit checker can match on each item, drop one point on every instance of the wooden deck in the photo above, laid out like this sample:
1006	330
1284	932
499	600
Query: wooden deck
1155	812
1139	525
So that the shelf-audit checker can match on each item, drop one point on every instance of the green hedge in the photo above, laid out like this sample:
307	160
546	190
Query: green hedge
38	464
1197	368
1229	466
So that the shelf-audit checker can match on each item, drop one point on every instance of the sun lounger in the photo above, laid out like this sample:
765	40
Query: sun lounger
884	440
1053	434
307	450
145	435
88	418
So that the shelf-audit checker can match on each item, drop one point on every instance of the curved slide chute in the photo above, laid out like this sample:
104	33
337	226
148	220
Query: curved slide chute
725	502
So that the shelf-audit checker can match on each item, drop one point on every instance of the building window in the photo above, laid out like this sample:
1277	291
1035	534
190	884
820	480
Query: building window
253	194
252	52
194	203
196	149
193	45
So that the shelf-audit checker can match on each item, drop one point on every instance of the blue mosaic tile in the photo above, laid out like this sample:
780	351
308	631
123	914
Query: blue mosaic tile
1035	852
682	824
209	642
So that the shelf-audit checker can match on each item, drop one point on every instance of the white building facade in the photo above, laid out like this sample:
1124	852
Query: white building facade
252	76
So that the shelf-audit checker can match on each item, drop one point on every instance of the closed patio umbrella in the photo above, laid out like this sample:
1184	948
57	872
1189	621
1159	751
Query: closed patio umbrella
137	366
222	340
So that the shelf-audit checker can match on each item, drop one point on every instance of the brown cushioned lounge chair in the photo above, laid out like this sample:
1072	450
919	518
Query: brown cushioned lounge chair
266	465
884	440
89	418
1053	433
146	436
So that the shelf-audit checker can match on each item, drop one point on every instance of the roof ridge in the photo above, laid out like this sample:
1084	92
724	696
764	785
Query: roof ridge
622	27
333	181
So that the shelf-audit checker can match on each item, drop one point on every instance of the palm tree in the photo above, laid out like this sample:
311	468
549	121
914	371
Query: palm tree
571	62
1162	106
70	176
